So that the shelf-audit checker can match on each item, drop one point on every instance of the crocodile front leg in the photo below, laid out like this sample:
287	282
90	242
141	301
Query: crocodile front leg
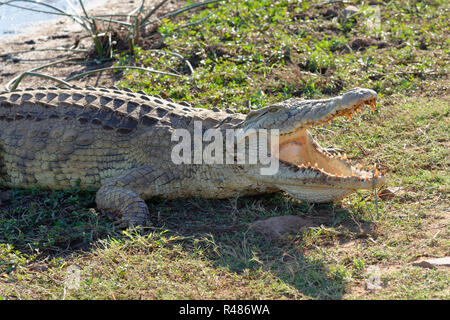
123	203
123	195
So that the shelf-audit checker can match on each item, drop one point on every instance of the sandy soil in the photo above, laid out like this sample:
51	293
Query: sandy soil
62	33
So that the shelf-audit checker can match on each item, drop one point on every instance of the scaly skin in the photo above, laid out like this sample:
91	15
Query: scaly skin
120	142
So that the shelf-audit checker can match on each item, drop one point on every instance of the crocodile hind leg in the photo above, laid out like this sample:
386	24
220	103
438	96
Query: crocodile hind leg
122	195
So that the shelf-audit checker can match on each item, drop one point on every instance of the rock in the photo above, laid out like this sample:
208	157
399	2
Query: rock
279	227
389	193
433	263
348	12
5	196
42	38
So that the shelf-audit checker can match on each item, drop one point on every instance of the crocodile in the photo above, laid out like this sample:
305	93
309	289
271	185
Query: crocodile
119	143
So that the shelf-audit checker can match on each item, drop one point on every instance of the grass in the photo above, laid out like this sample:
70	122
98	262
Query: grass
248	54
265	52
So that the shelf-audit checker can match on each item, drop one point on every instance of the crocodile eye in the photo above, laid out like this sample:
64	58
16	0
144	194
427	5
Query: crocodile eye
252	114
255	114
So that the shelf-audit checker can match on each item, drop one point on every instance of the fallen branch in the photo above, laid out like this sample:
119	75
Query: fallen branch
192	23
159	5
375	192
178	56
79	76
179	11
15	81
36	74
379	75
8	54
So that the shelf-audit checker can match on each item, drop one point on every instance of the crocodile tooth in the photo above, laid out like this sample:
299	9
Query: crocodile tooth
373	104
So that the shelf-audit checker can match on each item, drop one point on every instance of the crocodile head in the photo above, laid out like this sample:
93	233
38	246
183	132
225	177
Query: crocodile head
307	171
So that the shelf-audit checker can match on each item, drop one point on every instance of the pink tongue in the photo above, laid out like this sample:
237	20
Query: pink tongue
293	152
299	152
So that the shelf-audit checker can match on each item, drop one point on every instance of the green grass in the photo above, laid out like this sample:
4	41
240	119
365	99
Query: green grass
265	52
247	54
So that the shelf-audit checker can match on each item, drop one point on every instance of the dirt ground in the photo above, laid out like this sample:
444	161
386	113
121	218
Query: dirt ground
19	53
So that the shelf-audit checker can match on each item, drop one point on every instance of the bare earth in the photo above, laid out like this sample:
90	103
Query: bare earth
61	33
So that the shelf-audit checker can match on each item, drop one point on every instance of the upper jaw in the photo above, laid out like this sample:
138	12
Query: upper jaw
292	114
305	113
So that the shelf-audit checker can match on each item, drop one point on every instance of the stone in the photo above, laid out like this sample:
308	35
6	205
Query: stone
390	192
348	12
279	227
5	196
433	263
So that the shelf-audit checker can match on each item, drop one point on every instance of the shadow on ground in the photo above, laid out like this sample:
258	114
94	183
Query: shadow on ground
222	229
58	224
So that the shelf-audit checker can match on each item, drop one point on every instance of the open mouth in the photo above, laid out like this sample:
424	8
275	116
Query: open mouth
299	151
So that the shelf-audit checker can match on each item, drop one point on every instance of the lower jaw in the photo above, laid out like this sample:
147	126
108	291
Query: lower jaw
303	151
316	194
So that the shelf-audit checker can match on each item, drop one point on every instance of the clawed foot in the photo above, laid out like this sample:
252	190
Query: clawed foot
127	221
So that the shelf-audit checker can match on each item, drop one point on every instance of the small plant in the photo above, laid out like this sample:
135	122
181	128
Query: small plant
87	22
102	37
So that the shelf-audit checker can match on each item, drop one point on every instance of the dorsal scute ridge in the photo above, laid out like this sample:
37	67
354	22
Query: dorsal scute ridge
121	110
96	105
